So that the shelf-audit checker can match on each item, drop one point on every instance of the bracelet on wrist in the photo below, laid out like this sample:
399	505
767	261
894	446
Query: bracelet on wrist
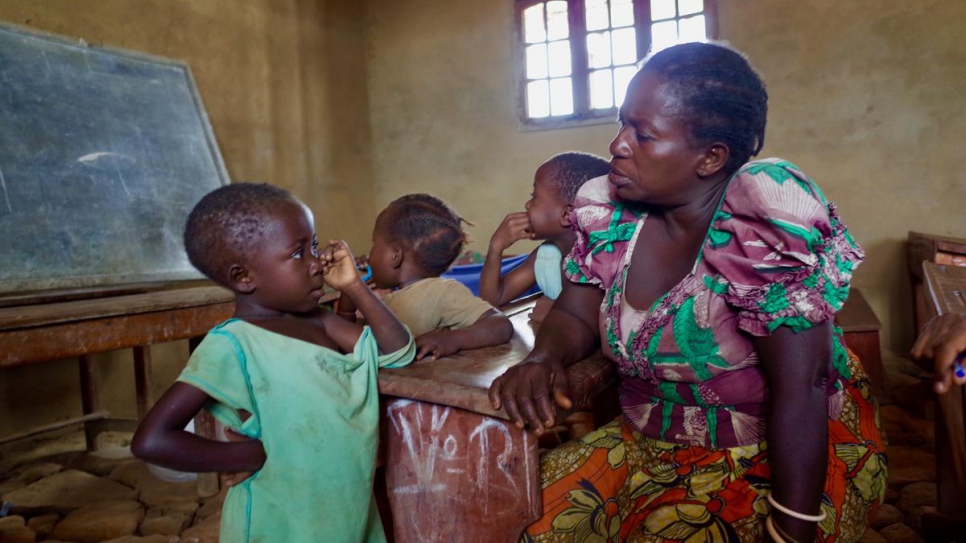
795	514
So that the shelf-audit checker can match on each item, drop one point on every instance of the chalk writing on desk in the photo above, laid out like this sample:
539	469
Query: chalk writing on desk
102	155
444	454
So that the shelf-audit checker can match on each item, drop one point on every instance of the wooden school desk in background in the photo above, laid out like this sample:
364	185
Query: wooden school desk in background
945	290
46	327
456	470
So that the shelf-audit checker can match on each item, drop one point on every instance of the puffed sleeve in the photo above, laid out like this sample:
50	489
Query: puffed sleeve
603	229
777	251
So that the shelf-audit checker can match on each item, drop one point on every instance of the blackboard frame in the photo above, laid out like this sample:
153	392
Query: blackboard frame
171	265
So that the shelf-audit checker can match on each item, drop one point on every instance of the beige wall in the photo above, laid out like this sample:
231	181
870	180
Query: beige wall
866	96
283	82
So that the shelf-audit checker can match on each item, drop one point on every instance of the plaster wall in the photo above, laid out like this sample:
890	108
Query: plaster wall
283	82
865	95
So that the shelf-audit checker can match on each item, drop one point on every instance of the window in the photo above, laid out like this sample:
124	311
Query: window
576	57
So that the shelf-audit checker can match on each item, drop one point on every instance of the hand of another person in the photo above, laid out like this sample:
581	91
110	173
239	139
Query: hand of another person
528	392
338	265
540	309
436	344
233	478
944	341
515	226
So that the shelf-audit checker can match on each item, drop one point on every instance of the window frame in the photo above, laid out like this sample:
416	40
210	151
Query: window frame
583	115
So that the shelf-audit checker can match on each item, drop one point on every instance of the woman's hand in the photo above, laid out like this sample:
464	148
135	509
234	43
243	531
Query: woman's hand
515	226
528	392
944	340
338	265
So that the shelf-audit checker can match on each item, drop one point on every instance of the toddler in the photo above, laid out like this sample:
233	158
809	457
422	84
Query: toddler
547	217
304	378
416	238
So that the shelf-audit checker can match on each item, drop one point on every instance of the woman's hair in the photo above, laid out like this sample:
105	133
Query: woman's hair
573	169
226	224
425	226
722	96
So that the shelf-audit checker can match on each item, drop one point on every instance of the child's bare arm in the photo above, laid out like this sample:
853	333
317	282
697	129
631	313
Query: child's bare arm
346	308
499	290
492	328
161	439
340	273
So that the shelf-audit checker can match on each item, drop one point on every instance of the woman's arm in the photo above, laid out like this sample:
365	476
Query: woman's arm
797	367
944	340
492	328
528	390
161	439
500	290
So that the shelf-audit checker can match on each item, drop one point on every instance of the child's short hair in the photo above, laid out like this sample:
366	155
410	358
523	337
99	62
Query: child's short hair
573	170
427	227
226	224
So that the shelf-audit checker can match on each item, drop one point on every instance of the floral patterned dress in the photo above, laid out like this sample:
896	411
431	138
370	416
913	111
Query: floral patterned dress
688	461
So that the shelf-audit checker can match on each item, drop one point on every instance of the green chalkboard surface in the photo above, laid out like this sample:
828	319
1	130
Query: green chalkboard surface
102	155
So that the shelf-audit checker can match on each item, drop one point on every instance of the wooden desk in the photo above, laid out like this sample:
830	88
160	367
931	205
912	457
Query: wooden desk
946	289
51	331
860	329
456	470
929	248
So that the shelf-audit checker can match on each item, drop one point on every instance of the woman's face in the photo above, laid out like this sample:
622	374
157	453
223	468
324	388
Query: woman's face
653	160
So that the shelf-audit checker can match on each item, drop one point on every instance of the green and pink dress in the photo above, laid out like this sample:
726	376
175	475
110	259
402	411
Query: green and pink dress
687	461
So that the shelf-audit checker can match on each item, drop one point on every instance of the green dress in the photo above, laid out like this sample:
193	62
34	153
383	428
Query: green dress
316	412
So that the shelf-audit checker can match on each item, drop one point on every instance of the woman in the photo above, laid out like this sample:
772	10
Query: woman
713	285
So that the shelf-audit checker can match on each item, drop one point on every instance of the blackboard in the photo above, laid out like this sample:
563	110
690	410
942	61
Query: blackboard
102	155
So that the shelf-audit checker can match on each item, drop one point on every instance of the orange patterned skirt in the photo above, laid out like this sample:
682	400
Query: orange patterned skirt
614	485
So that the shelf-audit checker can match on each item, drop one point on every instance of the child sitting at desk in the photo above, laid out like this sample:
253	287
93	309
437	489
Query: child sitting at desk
416	238
306	377
547	217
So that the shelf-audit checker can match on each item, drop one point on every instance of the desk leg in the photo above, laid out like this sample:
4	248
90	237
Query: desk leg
143	380
90	400
453	475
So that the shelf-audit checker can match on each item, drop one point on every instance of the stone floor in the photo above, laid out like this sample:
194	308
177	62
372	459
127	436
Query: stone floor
53	491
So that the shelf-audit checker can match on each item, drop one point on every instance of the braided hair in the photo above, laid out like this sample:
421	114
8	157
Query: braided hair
572	170
427	227
722	97
226	224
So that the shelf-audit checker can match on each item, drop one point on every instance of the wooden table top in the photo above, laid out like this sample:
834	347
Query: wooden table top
46	314
462	380
947	285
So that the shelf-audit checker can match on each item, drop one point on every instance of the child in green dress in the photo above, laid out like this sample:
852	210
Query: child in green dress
305	378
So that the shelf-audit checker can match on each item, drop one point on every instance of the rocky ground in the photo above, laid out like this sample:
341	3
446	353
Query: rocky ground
53	491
